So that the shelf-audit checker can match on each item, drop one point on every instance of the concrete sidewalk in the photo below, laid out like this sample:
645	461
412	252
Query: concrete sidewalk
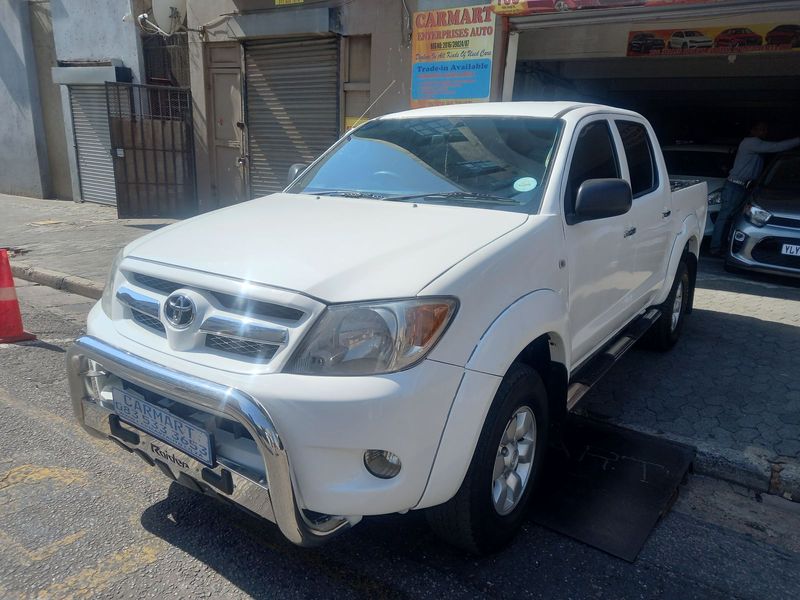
66	245
731	387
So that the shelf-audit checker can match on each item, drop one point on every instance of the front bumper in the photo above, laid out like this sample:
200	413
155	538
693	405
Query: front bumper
273	498
760	249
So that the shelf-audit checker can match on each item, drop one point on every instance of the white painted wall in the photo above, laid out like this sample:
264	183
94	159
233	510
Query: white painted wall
23	149
93	30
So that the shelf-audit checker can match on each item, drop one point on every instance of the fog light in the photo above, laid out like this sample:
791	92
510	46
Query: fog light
382	463
739	238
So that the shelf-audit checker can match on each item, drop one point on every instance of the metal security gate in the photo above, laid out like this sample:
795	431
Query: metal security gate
152	145
292	106
92	143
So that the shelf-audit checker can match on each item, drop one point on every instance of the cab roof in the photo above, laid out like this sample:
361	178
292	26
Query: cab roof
547	110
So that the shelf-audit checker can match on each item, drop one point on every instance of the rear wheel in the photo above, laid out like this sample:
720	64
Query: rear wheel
488	509
664	334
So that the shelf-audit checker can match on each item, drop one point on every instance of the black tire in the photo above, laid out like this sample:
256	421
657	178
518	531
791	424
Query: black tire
662	336
469	520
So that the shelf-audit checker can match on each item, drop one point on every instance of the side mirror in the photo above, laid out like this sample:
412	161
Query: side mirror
294	171
602	198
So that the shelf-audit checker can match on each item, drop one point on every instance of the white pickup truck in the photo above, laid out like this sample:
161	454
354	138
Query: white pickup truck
404	327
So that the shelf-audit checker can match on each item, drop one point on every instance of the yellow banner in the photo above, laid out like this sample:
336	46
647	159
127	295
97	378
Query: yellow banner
693	41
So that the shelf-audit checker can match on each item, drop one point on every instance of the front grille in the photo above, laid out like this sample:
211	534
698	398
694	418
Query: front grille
768	251
244	306
148	321
253	350
249	307
784	222
154	283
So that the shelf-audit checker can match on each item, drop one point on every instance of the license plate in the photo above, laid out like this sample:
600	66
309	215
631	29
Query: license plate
134	409
790	250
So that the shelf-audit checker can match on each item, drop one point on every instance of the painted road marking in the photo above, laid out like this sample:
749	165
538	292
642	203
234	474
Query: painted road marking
45	552
34	474
92	580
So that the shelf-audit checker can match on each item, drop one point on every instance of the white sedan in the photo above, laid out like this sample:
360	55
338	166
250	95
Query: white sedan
689	39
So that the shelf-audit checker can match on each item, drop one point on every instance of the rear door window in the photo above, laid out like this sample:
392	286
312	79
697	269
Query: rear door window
640	156
595	157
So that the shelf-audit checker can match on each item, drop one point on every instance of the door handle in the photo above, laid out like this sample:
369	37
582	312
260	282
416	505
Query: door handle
630	232
666	213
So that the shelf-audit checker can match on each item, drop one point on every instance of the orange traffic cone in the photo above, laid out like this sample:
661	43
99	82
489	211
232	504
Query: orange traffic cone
10	318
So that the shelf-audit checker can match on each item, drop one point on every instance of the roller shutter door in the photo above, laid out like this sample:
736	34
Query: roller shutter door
292	107
93	143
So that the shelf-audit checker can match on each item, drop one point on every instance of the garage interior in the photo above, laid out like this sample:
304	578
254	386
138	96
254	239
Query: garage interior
701	99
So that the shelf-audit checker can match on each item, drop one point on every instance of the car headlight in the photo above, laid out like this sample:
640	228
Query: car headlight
756	215
108	290
715	197
370	338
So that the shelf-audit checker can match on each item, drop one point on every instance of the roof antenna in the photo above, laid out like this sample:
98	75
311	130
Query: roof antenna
374	102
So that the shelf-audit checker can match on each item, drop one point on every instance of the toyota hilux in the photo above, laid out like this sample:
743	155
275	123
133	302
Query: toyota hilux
404	327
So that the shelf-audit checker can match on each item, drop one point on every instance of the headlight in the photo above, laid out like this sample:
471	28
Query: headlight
756	215
369	338
108	290
715	197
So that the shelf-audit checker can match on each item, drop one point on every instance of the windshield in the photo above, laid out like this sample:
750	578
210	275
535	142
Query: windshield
696	163
492	162
784	174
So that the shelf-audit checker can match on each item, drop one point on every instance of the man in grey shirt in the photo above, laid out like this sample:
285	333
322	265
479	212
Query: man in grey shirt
746	168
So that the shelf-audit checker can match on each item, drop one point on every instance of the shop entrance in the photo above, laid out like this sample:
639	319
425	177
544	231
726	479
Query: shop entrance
700	75
700	100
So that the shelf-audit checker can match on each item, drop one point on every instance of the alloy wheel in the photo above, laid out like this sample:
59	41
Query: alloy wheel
677	307
514	460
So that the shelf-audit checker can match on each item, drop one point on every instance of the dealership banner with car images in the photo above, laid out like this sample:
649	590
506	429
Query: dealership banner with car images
452	53
698	41
518	8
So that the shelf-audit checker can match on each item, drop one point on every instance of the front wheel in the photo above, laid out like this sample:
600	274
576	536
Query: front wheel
488	509
664	334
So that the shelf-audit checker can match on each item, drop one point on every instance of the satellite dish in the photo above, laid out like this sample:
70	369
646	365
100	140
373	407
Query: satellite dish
169	15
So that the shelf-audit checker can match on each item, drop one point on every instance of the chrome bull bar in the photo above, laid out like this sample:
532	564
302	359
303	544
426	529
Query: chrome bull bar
276	501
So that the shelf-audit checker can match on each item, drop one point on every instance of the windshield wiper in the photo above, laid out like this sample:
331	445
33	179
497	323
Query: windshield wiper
349	194
468	196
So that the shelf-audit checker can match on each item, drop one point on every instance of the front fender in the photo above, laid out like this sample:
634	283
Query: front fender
542	312
536	313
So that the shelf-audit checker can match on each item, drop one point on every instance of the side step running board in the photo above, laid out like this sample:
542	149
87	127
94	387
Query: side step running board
590	373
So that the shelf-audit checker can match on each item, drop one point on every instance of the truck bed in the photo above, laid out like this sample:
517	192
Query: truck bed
689	196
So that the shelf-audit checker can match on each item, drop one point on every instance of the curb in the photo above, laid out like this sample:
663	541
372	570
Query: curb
754	468
60	281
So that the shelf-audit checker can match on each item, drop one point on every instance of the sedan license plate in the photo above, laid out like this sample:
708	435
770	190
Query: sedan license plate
790	250
132	408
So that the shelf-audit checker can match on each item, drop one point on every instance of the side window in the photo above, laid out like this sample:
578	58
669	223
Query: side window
594	158
640	155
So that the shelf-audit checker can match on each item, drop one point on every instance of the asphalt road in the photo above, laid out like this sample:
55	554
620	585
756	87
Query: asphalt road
80	517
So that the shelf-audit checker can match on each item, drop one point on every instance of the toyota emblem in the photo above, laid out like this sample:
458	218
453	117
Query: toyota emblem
179	311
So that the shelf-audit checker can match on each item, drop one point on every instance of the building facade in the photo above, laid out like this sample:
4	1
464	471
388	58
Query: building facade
275	82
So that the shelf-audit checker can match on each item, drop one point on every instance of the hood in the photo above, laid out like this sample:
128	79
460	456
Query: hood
780	203
335	249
